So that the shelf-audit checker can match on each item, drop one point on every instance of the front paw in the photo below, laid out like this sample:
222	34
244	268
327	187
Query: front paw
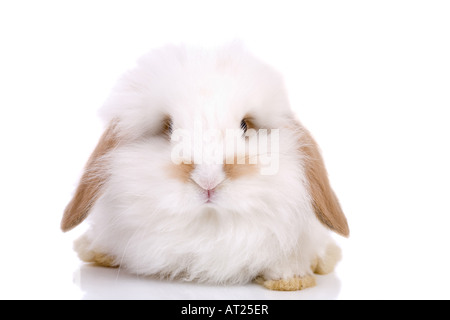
290	284
83	247
327	262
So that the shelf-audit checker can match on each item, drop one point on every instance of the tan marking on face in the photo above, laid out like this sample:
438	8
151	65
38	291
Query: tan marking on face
182	171
236	170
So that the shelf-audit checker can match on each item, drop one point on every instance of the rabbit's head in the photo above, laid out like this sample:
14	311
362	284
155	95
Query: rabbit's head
190	132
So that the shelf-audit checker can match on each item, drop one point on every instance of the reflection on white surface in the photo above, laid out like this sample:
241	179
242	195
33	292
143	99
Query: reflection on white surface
106	283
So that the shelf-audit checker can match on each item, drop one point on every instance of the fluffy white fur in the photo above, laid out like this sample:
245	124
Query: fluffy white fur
153	224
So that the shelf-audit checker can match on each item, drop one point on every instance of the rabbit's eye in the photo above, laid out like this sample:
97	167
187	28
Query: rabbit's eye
244	125
167	127
248	123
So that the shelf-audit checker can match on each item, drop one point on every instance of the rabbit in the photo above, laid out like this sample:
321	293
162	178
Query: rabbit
192	215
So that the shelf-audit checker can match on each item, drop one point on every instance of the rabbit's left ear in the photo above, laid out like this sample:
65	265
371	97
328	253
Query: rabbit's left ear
93	179
325	203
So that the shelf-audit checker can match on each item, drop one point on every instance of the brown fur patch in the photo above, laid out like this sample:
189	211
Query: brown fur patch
324	200
91	182
292	284
104	260
181	171
236	168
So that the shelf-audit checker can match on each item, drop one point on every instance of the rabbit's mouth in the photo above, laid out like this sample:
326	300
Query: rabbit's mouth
209	194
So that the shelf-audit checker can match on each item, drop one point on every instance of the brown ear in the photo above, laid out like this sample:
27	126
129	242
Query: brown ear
324	200
91	182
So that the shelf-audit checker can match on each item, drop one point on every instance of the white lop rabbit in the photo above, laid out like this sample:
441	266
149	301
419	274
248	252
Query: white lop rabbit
157	209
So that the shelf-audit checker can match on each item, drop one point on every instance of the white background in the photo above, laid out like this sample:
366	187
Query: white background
370	79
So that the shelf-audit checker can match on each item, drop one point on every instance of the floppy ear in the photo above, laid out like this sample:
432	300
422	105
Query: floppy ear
89	188
325	203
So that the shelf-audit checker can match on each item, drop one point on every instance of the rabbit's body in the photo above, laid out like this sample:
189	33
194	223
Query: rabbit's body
204	220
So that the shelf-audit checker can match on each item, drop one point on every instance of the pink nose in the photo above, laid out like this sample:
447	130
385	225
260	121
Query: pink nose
208	177
207	184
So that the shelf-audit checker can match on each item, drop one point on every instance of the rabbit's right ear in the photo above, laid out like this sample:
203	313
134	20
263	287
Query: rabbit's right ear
94	177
